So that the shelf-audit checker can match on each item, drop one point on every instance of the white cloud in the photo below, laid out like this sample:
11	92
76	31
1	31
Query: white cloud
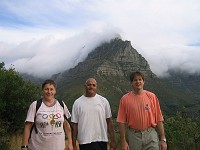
162	31
51	55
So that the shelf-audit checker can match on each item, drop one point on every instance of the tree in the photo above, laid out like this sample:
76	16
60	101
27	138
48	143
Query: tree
182	132
15	98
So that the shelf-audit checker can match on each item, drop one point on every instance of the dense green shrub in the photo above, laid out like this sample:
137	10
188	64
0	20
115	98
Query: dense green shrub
15	98
182	132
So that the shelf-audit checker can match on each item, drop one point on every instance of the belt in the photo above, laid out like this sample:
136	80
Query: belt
141	131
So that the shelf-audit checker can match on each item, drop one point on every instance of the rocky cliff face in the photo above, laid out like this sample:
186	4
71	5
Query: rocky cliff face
125	60
117	58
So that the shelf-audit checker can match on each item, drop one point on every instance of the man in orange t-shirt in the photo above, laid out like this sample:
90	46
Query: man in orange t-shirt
140	110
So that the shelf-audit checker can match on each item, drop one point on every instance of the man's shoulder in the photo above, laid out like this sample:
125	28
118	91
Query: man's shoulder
79	99
127	94
102	98
149	93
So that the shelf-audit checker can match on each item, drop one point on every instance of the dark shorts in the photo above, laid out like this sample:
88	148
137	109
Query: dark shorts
94	146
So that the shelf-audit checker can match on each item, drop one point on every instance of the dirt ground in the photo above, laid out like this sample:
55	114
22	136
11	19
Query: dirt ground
16	140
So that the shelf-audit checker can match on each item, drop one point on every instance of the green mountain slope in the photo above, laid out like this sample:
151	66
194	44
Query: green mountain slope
111	63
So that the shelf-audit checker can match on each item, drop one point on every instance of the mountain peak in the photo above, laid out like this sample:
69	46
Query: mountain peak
114	58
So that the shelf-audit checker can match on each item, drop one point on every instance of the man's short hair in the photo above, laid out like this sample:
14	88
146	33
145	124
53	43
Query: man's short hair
89	80
134	74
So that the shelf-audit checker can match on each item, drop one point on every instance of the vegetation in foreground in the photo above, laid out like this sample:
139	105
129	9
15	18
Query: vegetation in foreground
182	131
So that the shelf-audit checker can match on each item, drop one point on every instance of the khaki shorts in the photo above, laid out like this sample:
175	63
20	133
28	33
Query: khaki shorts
143	140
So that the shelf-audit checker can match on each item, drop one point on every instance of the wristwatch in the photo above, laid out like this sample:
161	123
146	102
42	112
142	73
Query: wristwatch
24	146
164	139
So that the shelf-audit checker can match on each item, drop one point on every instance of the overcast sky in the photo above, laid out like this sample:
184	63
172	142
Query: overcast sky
44	37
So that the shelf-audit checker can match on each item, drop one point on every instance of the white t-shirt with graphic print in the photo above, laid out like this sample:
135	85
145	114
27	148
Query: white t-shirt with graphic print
49	124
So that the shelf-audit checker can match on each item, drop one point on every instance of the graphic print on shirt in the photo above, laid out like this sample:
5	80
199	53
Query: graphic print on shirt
52	119
147	107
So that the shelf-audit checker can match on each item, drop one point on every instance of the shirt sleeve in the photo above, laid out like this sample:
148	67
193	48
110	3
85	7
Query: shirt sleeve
31	112
159	116
121	117
108	110
66	111
74	118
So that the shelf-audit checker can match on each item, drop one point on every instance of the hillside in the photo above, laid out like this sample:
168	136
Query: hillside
111	64
189	84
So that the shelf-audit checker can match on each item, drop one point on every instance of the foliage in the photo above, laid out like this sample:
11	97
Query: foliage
182	132
15	98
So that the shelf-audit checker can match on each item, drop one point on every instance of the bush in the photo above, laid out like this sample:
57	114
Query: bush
15	98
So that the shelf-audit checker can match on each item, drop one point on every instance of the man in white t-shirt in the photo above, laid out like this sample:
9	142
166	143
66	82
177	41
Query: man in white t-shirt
92	118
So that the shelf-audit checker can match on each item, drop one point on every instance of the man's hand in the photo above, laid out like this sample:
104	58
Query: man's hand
124	145
163	145
112	145
75	148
